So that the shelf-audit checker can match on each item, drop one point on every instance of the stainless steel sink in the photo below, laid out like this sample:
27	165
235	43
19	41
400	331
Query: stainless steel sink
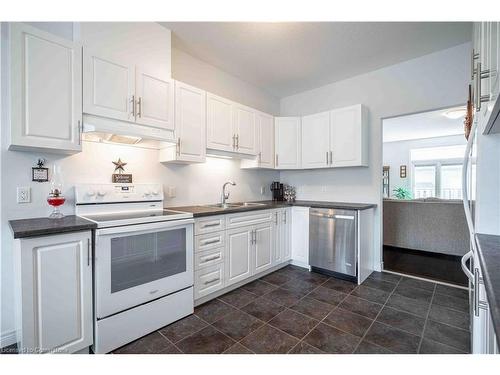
223	206
226	206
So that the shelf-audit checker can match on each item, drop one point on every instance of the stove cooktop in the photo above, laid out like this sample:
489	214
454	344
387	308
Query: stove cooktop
135	217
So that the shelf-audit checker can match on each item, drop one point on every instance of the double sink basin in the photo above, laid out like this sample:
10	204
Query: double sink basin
226	206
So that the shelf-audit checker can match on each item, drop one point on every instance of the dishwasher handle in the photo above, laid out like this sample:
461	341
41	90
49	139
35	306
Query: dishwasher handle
344	217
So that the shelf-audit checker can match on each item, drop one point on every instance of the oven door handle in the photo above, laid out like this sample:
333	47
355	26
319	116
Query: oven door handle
144	227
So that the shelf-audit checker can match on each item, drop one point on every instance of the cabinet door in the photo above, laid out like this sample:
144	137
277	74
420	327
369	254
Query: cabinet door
57	292
190	122
266	140
46	90
155	100
263	244
244	126
287	142
348	138
238	264
285	234
220	135
277	249
316	140
108	86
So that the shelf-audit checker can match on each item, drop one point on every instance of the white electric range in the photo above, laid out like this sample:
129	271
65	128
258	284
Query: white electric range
143	261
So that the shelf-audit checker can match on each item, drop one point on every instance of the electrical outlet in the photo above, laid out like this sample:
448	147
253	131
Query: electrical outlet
171	192
23	195
262	190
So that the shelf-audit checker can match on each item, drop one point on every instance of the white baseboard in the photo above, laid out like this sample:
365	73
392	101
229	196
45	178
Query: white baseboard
7	338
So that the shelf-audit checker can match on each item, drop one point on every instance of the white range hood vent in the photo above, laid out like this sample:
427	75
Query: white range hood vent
104	130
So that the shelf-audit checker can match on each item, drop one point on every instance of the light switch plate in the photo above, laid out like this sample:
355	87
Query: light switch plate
23	194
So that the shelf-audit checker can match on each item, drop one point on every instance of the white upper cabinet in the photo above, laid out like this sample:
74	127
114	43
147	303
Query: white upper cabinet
349	137
316	140
127	75
265	143
190	126
155	99
287	142
220	135
45	91
245	129
108	87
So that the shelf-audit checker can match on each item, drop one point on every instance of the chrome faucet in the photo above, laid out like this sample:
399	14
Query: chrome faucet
225	195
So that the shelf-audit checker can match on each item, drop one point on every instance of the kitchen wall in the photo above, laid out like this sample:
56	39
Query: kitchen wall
192	71
398	153
434	81
199	183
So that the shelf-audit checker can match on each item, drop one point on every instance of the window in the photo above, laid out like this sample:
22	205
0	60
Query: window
437	172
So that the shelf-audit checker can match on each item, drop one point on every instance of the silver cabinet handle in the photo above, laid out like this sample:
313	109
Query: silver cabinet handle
211	281
255	237
178	146
210	242
276	218
210	259
480	74
260	157
238	142
474	56
284	217
133	106
327	158
331	157
88	252
211	225
476	292
276	161
139	111
234	141
80	130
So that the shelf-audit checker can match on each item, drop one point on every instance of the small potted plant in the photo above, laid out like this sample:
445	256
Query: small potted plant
402	193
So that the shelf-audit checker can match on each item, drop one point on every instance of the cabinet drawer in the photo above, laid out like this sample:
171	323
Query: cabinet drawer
208	241
248	218
208	280
208	258
209	224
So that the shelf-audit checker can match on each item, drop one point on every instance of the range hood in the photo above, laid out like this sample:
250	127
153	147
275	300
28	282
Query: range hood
105	130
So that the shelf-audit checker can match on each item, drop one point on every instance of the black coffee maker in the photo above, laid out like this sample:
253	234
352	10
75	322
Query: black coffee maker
278	191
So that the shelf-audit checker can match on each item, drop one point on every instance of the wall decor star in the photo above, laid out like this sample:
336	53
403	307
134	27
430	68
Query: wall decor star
119	165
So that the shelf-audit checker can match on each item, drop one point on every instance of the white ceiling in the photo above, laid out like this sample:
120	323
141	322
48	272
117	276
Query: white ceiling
421	125
287	58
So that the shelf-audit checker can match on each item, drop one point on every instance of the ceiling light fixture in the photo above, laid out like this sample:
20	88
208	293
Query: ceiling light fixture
455	113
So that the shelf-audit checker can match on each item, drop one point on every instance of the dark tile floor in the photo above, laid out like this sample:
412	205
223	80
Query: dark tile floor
295	311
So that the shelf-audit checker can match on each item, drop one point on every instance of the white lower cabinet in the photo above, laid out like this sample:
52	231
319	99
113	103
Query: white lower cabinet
282	250
239	253
251	244
54	293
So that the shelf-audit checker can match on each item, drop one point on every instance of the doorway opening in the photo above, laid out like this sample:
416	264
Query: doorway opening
424	229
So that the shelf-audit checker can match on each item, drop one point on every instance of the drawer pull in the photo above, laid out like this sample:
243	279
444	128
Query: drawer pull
211	225
210	242
210	259
211	281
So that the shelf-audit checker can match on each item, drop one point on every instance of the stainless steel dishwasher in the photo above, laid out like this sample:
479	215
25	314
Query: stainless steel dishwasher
333	242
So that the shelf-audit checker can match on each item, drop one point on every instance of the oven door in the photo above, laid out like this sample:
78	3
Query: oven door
135	264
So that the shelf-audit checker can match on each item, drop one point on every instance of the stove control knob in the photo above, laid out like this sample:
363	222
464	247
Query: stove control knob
91	193
156	192
101	193
147	193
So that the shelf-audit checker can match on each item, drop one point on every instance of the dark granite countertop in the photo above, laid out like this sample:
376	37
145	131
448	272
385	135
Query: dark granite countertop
44	226
201	210
489	257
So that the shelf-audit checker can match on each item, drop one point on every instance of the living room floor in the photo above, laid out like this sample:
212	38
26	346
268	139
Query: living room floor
293	311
